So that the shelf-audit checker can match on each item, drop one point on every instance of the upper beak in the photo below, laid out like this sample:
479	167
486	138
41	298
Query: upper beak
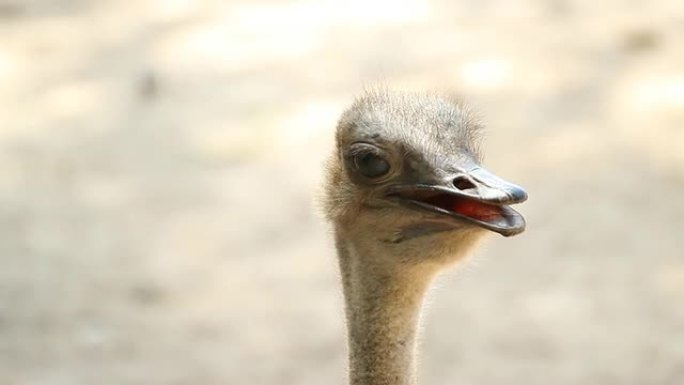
487	187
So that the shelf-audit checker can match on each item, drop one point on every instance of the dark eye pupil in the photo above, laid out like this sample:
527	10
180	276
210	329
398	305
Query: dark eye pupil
371	165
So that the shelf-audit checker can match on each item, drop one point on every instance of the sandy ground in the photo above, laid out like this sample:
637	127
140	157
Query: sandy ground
159	162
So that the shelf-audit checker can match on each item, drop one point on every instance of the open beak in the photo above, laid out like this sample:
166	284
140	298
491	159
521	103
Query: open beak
475	196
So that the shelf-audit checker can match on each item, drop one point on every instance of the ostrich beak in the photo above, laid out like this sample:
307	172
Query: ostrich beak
476	196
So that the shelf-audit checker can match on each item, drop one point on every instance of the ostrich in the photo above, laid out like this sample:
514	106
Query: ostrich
406	196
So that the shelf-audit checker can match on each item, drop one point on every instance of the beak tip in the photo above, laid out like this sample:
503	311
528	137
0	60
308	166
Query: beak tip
518	194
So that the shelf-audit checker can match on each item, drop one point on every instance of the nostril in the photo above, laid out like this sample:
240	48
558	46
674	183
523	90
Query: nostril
463	183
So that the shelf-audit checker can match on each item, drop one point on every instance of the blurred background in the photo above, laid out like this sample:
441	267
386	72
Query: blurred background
160	159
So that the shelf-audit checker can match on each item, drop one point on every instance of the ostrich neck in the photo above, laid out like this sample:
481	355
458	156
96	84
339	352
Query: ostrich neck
383	309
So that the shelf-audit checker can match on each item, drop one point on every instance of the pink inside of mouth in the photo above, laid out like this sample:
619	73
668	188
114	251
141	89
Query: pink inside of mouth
467	207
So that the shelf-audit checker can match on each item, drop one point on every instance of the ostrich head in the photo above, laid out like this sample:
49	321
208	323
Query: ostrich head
406	184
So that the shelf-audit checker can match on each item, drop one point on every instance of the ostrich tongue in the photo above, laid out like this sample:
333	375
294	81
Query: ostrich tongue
467	207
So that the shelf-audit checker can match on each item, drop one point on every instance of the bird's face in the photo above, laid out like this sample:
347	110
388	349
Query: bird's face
407	175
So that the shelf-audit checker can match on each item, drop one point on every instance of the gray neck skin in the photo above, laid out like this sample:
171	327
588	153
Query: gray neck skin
383	309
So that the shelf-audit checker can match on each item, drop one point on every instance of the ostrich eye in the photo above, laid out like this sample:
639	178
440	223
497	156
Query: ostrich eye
371	165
